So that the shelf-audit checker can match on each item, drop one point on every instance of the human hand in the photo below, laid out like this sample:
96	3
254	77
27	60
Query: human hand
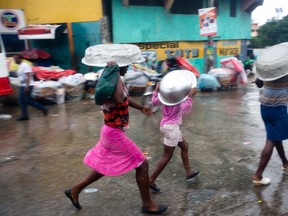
157	88
192	92
111	63
147	111
26	90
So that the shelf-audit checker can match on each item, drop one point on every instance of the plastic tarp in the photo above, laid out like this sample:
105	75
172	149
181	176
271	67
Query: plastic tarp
44	73
207	81
236	65
35	54
73	80
232	63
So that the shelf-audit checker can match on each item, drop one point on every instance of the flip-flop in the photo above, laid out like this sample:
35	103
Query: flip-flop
68	194
262	182
192	176
161	208
155	188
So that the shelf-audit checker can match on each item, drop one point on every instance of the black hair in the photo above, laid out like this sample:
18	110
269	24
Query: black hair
18	56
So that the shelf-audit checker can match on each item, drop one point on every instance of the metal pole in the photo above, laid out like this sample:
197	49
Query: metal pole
71	44
210	3
209	58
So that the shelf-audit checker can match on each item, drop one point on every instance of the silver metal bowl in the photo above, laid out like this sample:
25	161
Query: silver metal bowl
273	62
175	86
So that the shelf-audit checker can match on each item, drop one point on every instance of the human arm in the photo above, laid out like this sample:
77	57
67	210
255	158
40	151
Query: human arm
259	83
155	99
192	92
119	92
146	110
27	72
187	104
27	82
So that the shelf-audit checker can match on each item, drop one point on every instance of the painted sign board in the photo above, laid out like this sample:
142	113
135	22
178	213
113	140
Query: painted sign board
208	24
11	20
161	50
228	48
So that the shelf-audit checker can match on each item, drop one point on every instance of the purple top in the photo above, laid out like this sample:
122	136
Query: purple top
172	114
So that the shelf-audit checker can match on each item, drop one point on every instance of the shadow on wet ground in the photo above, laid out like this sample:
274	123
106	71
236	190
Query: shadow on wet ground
41	157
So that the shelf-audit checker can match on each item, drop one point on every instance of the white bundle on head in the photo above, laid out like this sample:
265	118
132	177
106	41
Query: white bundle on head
122	54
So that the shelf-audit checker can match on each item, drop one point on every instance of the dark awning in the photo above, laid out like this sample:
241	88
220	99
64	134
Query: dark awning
250	5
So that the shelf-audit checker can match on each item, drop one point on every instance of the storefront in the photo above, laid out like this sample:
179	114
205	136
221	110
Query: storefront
195	52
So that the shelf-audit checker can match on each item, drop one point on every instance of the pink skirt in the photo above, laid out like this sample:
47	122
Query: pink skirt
114	154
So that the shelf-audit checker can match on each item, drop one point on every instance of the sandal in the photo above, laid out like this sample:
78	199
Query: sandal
191	177
262	182
68	194
161	208
285	170
155	188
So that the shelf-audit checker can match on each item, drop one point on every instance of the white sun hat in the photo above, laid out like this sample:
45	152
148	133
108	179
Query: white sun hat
123	54
272	64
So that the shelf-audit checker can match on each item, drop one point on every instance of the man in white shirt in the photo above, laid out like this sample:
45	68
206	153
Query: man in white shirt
26	79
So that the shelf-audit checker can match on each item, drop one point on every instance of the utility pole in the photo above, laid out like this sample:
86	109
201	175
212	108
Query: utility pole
210	57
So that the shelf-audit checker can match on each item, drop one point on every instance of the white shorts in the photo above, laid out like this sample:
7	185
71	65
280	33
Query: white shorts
172	135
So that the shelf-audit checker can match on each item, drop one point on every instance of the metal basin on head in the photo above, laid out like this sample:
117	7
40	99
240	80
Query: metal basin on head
175	86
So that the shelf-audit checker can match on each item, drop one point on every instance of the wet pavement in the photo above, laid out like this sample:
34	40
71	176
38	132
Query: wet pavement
41	157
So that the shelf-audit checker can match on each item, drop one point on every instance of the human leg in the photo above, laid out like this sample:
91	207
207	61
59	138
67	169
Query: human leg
142	179
185	158
75	190
264	159
23	103
190	175
166	157
280	149
34	103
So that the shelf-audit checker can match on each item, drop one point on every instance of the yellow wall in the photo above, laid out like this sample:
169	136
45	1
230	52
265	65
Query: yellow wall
189	50
228	48
56	11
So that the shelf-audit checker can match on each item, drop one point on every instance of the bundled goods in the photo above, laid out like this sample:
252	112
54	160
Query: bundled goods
207	81
74	86
73	93
224	76
47	92
51	91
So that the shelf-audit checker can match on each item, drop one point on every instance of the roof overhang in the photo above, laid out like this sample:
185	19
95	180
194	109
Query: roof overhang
250	5
31	32
168	4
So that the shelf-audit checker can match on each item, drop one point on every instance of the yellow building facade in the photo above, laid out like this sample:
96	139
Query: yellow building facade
56	11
